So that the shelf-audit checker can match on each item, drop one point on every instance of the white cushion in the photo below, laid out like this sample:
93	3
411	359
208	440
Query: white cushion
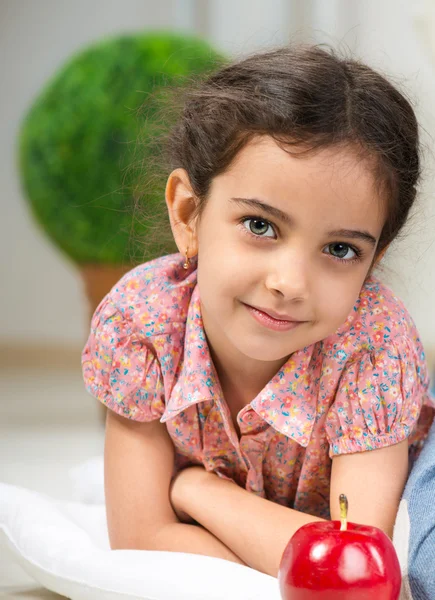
87	481
64	546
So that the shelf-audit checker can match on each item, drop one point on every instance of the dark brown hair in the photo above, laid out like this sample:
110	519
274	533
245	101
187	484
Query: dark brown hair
306	98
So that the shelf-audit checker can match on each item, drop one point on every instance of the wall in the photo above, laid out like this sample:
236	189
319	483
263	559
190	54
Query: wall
42	300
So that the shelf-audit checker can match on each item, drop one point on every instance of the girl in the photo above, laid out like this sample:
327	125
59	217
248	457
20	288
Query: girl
265	353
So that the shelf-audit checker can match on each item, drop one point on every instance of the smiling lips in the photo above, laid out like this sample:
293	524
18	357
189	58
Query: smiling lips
273	320
276	315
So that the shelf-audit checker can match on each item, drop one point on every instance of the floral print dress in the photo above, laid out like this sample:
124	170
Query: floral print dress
364	387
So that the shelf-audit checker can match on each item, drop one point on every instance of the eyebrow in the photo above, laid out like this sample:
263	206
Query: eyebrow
285	218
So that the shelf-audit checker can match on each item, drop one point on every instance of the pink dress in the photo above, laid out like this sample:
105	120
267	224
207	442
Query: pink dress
361	388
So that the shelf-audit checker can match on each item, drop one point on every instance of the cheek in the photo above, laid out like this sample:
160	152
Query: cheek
223	259
336	298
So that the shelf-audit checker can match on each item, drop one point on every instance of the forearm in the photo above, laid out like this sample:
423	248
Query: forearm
255	529
182	537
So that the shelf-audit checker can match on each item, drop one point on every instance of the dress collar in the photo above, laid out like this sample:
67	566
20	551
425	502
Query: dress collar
198	380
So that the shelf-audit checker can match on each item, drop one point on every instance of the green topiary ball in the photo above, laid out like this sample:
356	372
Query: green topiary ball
75	140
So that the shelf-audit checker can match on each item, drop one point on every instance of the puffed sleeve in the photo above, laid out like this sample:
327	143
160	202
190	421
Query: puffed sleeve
378	399
120	369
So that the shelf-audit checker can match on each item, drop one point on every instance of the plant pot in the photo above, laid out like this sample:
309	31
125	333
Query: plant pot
99	280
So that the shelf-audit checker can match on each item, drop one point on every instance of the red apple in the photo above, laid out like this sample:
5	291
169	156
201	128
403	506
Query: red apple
336	560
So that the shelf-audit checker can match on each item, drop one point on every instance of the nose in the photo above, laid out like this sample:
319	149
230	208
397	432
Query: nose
287	276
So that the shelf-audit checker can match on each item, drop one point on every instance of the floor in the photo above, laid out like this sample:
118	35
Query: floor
48	424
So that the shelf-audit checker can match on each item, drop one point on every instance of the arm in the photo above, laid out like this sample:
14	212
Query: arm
138	463
255	529
258	530
373	482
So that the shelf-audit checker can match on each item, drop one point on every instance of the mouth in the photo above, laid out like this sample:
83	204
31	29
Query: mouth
271	320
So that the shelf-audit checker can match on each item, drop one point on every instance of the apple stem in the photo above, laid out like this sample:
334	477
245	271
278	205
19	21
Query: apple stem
344	505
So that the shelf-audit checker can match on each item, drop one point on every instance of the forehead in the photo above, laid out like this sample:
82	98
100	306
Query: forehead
333	185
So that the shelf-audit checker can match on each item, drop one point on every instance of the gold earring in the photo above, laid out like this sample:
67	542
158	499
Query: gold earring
186	264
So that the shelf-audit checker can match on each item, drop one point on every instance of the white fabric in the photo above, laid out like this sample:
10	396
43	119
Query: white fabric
64	546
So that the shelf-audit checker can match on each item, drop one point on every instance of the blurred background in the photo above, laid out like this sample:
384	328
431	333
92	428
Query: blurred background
48	423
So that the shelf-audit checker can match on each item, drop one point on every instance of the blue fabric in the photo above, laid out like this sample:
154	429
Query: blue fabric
420	495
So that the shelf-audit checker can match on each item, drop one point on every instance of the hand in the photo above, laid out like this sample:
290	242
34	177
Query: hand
182	484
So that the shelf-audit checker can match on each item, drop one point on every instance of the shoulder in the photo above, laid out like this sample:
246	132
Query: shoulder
375	374
153	297
136	337
378	319
378	305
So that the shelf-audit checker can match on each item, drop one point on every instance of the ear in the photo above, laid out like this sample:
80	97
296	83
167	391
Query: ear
181	203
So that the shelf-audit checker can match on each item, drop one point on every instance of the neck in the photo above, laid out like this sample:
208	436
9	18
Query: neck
243	381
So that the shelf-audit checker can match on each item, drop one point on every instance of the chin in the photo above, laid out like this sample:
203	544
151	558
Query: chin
263	351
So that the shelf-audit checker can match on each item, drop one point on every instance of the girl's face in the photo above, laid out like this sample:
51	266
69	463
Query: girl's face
304	254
